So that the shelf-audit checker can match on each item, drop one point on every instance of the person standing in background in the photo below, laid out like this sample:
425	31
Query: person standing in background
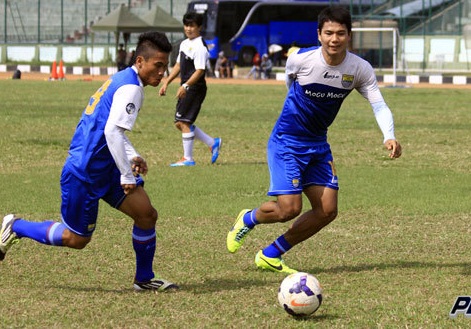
191	66
121	58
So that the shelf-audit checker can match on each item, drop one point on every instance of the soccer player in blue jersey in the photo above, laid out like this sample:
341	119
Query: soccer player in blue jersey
299	156
103	164
191	66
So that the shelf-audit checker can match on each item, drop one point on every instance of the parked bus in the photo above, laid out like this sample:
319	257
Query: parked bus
241	28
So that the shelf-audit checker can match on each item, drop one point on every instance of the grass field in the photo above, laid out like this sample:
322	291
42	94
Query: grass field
397	256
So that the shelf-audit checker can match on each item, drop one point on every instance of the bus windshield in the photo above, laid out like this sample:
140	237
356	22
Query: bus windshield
242	28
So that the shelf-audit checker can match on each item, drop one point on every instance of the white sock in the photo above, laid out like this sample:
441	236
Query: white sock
188	141
202	136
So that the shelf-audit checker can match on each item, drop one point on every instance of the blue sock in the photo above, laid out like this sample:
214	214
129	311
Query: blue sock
143	242
249	219
48	232
277	248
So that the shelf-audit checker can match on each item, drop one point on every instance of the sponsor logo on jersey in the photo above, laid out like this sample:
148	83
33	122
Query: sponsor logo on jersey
328	75
329	94
130	108
347	80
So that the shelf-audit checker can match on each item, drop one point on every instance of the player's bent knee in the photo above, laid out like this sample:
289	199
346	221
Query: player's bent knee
80	243
179	125
288	214
146	220
329	216
153	216
75	241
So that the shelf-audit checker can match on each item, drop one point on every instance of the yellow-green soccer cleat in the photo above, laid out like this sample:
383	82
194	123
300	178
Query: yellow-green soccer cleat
7	236
272	264
237	234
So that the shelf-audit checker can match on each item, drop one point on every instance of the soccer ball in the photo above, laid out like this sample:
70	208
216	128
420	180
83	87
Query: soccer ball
300	294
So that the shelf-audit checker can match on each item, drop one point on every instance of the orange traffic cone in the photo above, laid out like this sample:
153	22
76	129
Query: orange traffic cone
61	74
54	75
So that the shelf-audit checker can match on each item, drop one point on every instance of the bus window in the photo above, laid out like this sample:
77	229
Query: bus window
242	28
231	16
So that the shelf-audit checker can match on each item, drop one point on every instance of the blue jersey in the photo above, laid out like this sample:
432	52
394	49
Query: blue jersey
89	156
316	92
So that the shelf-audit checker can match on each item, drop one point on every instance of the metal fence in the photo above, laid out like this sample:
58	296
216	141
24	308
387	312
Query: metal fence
433	34
68	21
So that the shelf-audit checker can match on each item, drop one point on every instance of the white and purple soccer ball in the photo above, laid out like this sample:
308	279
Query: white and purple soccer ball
300	294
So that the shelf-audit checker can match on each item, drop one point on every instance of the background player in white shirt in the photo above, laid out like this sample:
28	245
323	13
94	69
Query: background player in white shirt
299	156
191	66
103	164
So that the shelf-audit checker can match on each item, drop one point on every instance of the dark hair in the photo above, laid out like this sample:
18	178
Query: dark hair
152	41
193	17
335	14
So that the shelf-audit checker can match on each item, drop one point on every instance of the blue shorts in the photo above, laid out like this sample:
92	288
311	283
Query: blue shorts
80	200
293	168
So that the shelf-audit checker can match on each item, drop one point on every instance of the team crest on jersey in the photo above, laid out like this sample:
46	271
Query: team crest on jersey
130	108
295	182
347	80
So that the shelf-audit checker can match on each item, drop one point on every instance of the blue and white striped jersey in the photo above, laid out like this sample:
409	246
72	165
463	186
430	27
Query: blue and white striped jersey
316	91
117	102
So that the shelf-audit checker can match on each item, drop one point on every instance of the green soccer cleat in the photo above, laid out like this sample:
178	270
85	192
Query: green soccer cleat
272	264
237	234
7	236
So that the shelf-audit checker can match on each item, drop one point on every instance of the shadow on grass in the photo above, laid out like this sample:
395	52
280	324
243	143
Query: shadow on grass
466	267
243	162
207	286
122	291
314	318
211	285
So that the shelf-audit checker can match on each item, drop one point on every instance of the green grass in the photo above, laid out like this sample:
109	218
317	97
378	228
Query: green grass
396	256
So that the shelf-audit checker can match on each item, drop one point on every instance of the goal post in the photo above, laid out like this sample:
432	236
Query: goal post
379	38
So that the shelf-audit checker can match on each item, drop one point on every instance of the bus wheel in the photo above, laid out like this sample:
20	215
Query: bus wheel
246	56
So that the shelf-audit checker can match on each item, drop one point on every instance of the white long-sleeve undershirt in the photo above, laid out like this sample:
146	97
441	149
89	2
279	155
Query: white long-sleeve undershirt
122	151
384	118
123	113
